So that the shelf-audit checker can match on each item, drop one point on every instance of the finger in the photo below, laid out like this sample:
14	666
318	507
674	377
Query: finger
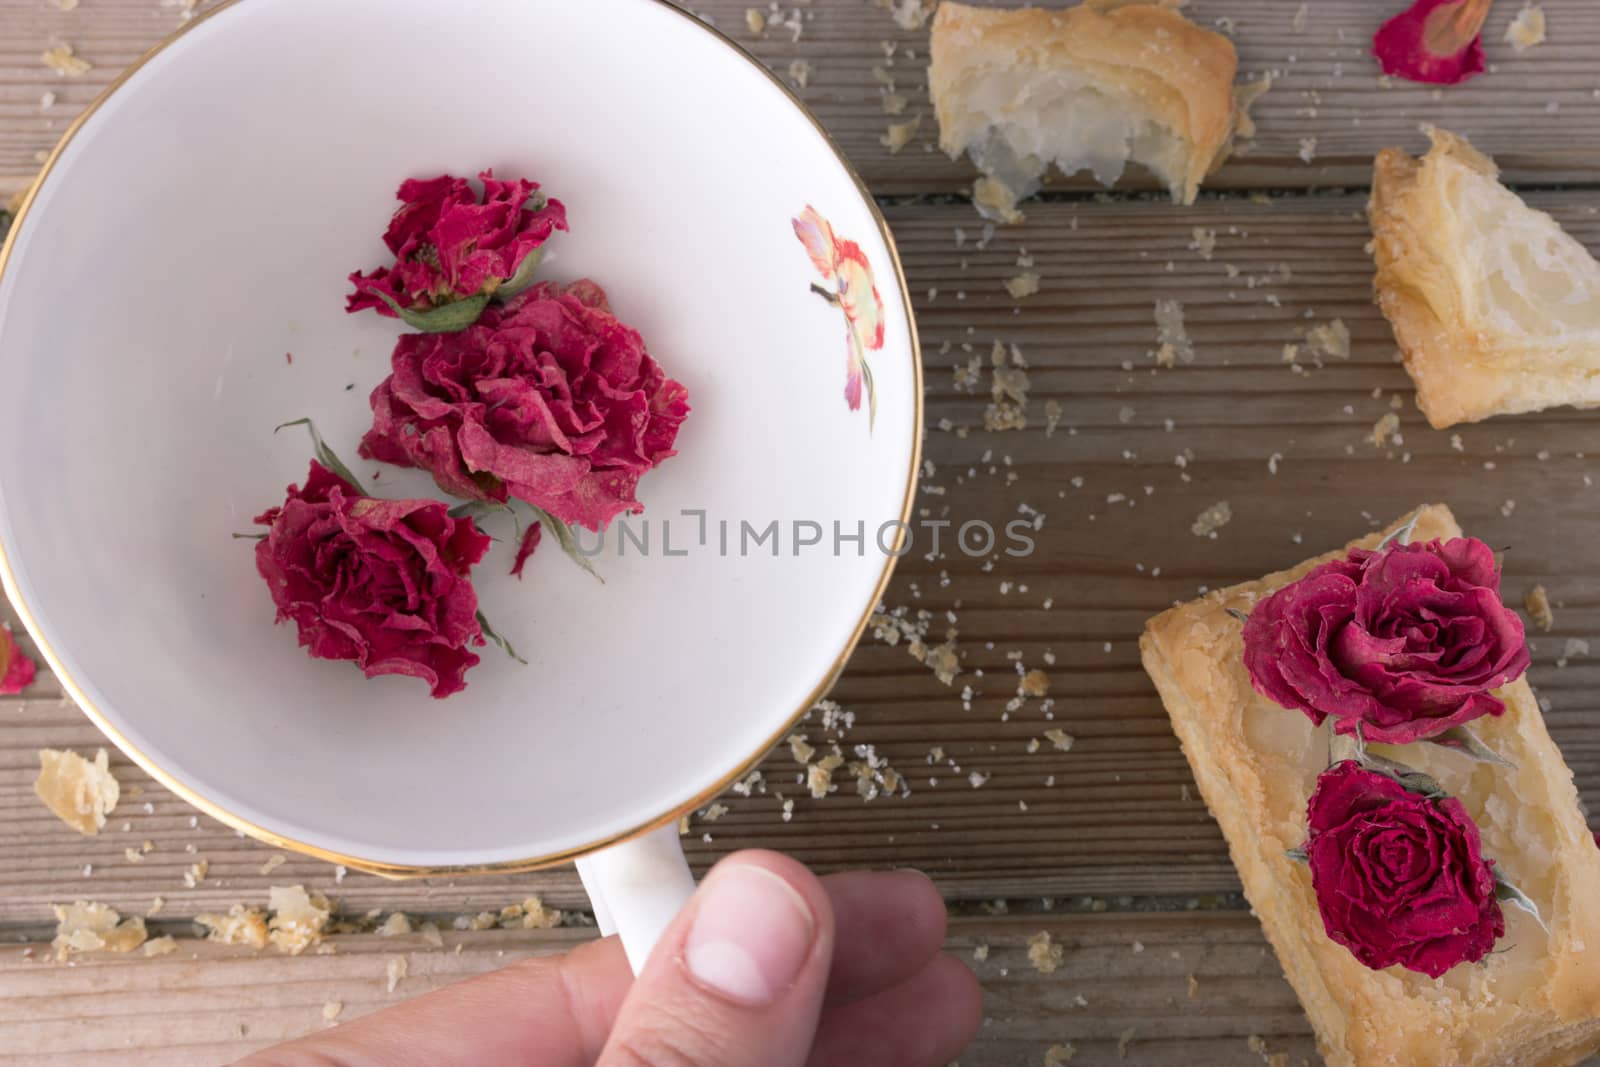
549	1012
738	977
925	1021
888	925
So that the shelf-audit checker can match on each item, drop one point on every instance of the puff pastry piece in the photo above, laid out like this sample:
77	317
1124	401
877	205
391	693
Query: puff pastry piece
1535	1000
1495	307
1090	87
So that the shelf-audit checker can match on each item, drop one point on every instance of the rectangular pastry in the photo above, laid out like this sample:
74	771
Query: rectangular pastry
1534	999
1496	309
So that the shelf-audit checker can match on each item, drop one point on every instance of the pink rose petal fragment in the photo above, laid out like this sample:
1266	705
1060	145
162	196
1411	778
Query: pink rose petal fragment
383	583
16	669
530	542
1399	879
1434	41
548	398
450	244
1407	642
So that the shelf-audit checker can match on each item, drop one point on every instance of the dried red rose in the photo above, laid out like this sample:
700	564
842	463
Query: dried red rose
1407	641
547	398
1433	41
16	669
450	245
384	583
1400	879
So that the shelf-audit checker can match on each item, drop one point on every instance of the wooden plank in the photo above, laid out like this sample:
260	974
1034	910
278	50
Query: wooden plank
207	1004
1121	817
1538	112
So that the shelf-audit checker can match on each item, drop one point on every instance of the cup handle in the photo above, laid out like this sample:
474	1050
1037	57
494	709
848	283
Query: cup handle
637	887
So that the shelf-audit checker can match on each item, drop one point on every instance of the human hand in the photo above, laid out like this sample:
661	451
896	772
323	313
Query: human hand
767	966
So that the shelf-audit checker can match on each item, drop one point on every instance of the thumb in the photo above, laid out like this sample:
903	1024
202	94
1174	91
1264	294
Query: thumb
738	978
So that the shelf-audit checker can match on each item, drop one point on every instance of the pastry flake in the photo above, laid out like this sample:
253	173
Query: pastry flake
1088	88
80	793
1494	306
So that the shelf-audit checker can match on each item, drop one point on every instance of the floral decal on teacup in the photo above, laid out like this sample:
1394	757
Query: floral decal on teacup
848	285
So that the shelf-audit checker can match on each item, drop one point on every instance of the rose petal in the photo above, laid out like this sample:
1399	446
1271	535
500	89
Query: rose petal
1401	49
17	671
530	542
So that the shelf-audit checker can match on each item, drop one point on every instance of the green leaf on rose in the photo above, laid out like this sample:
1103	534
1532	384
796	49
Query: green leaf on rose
1237	614
446	318
1462	740
1410	779
522	278
325	455
1297	854
476	509
1506	893
501	642
565	538
1403	532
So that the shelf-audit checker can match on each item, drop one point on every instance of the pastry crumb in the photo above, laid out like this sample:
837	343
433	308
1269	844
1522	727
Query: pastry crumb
899	134
395	969
535	916
1125	1039
1022	285
1539	610
980	953
755	20
1527	29
78	792
1205	242
1387	426
1035	683
1301	16
429	932
800	748
195	873
1045	955
800	73
1308	149
1062	740
1194	987
1056	1055
910	14
89	927
274	861
995	200
65	62
395	925
160	946
331	1010
1212	519
298	918
1172	339
1329	340
242	925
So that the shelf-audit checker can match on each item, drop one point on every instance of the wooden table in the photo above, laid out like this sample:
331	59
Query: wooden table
1104	846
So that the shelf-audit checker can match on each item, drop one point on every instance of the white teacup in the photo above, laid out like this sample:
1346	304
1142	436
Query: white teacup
198	224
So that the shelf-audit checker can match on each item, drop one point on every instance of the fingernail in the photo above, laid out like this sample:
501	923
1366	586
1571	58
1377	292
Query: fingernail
752	933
